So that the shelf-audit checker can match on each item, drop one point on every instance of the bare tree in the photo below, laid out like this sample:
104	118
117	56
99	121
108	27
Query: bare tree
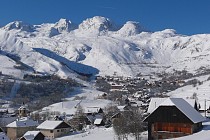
120	128
130	122
136	124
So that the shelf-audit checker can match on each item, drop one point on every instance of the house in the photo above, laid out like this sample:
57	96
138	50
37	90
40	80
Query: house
6	119
33	135
174	117
17	128
97	120
54	129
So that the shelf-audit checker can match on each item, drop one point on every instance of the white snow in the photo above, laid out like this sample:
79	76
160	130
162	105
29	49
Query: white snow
30	135
101	47
70	107
98	133
23	122
49	125
155	103
97	46
202	92
98	121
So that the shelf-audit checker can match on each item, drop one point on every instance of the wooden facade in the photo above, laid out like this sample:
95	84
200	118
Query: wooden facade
169	122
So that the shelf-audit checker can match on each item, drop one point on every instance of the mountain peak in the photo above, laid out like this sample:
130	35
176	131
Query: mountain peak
97	23
19	25
64	25
130	28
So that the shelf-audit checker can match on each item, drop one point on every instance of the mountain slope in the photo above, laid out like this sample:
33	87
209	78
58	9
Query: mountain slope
98	46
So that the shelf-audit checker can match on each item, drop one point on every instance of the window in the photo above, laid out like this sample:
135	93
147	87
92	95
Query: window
51	131
58	130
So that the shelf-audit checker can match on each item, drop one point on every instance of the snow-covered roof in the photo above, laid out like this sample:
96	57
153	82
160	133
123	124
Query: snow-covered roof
91	109
49	125
23	122
23	107
155	103
29	137
121	108
7	120
98	121
185	108
34	133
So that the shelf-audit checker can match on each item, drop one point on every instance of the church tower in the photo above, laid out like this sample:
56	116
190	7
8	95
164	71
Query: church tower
23	111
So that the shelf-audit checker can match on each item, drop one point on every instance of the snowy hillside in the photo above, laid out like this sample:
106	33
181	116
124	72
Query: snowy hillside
99	46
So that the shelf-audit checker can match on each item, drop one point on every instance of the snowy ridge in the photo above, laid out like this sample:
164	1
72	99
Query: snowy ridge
103	47
130	28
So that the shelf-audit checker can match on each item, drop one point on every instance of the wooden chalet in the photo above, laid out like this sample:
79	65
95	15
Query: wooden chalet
174	117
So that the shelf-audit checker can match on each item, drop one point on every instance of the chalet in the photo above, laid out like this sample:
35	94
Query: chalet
19	127
97	120
174	117
33	135
94	115
54	129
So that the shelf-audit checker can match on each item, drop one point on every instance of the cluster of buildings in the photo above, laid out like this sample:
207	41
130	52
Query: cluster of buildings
25	128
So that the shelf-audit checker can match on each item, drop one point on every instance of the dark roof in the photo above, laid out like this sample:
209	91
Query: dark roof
182	106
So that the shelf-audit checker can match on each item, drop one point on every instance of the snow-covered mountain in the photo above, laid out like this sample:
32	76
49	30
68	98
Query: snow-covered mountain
98	46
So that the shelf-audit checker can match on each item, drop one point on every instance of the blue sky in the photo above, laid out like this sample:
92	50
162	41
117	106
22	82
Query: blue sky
185	16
